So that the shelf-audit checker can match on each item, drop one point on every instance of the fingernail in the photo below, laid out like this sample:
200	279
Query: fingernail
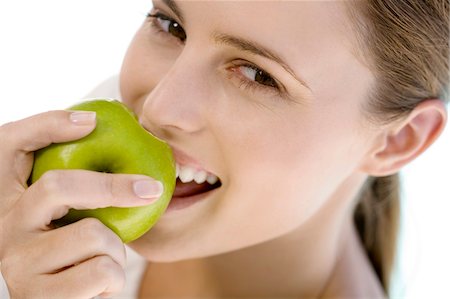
83	118
148	188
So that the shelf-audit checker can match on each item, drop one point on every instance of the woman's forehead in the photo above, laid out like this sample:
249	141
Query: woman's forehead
304	34
306	18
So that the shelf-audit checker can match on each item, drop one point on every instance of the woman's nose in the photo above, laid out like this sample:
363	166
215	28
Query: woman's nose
177	102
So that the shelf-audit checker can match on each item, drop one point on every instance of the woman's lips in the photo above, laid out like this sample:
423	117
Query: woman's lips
184	159
194	183
188	169
189	194
192	188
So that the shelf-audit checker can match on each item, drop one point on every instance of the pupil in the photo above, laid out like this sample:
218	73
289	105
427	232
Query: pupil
263	78
176	30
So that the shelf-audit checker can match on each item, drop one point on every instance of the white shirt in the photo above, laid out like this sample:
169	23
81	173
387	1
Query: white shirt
135	263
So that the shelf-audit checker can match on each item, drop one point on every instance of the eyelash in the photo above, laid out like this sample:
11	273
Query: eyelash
244	83
157	28
253	85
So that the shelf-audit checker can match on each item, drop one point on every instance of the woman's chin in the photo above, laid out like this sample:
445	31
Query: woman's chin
158	250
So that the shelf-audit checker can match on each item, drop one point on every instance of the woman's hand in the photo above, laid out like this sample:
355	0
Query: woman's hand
80	260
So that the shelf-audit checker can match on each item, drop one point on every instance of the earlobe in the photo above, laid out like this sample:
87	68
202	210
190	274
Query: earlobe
407	140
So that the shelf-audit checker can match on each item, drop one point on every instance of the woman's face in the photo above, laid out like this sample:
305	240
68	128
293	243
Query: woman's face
266	96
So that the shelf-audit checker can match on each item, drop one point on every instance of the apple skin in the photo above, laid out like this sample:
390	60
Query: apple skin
118	144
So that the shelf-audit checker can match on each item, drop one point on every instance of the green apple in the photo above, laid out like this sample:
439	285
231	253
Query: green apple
118	144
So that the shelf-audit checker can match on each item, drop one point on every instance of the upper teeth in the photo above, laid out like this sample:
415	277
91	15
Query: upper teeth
188	174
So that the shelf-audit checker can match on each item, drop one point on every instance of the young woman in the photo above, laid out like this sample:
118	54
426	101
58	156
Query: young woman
304	111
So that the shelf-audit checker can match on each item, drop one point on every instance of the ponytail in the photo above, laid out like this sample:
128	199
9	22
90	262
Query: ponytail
406	46
377	220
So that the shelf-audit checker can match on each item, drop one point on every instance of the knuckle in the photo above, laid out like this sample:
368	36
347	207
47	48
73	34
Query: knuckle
110	186
91	230
50	182
54	116
99	238
54	120
105	265
108	271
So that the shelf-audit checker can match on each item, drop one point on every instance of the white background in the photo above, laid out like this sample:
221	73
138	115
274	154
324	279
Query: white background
52	53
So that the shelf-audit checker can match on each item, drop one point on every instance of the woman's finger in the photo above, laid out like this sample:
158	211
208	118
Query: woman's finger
96	276
57	191
20	138
40	130
54	250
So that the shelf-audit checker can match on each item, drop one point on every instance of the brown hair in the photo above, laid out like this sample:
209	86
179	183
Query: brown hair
406	45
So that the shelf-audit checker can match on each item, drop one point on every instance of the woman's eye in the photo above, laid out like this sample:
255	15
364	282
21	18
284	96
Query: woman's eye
253	79
167	25
258	75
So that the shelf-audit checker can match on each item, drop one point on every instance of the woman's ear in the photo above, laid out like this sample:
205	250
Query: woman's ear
407	140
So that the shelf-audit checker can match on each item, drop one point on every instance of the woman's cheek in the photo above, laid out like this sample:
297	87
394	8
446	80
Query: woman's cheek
143	67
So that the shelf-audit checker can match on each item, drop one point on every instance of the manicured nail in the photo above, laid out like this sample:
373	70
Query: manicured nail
148	188
83	118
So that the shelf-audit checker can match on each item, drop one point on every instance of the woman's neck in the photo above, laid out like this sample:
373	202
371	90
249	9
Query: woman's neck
299	264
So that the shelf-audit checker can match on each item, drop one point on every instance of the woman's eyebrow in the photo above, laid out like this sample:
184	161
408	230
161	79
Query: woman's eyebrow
255	49
175	8
241	44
